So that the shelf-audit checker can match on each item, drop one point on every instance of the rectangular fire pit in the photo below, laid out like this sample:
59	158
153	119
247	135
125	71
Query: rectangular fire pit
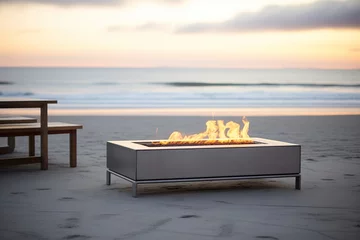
139	163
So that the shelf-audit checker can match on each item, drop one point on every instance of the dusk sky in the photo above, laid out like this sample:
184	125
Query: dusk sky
181	33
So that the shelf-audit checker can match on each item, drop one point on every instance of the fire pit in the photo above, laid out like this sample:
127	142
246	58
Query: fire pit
184	160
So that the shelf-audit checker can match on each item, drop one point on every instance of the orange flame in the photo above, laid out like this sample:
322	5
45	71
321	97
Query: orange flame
216	133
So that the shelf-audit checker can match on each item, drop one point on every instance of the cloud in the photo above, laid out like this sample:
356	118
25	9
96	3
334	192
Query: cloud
151	26
172	1
354	49
144	27
318	15
64	2
29	31
68	3
116	28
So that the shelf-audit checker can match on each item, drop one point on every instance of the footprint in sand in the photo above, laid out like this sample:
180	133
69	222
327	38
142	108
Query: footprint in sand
267	237
66	199
76	236
43	189
17	193
225	202
327	179
70	223
189	216
311	160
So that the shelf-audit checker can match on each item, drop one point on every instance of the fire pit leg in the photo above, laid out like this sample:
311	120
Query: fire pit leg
134	189
108	177
298	182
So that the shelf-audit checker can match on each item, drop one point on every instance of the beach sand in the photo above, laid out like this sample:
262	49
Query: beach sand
75	203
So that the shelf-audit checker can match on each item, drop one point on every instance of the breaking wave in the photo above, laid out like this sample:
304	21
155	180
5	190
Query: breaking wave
105	83
208	84
16	94
6	83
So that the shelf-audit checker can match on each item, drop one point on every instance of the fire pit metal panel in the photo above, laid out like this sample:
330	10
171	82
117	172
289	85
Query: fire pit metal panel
122	160
217	162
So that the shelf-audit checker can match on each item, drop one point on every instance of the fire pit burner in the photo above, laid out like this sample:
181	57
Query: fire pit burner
139	162
155	144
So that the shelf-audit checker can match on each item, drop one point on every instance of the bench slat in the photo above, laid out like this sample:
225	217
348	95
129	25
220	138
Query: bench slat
14	120
25	129
51	126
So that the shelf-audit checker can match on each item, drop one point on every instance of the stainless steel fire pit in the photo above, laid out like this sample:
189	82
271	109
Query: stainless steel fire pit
139	163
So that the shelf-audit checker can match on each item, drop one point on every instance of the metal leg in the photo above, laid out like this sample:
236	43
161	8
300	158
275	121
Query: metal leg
134	190
108	177
298	182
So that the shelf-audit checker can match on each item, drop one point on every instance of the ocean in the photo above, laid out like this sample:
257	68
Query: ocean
97	88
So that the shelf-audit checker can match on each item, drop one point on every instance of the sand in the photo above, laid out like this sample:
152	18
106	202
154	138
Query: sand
75	203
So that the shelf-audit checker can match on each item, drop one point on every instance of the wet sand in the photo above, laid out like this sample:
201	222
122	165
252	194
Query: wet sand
75	203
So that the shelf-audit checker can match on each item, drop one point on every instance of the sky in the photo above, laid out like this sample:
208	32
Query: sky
181	33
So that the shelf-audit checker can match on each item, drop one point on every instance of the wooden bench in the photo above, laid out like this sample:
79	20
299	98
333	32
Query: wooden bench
11	140
32	129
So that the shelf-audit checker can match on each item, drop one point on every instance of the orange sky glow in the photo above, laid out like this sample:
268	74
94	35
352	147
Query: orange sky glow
151	34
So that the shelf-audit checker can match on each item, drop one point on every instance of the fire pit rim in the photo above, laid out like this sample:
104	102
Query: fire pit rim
262	142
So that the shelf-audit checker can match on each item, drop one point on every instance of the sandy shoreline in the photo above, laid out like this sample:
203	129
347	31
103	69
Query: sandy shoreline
65	203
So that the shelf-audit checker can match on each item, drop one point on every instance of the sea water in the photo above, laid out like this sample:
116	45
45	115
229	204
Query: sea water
96	88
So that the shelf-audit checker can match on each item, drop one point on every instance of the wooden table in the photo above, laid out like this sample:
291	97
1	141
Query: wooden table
32	103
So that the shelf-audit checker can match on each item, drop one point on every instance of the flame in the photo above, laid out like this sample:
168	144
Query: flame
216	133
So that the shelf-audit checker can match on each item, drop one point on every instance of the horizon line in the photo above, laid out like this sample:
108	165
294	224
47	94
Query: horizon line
178	67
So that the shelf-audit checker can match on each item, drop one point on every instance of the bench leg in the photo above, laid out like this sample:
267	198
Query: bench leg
32	145
10	146
73	148
44	137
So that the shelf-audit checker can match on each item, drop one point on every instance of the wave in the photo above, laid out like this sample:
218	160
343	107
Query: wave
105	83
207	84
16	94
6	83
